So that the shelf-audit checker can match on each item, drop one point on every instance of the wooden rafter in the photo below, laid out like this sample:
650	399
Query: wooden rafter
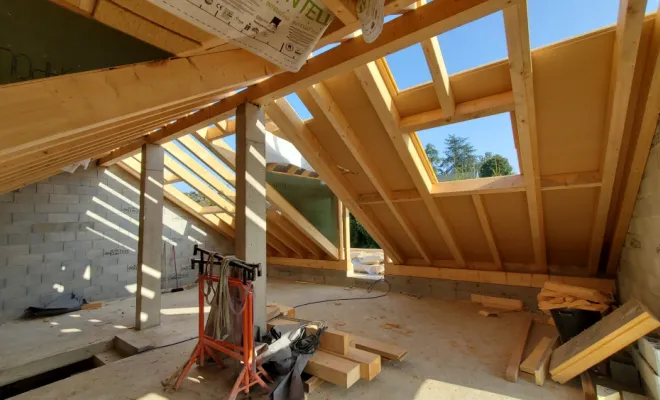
492	185
203	153
227	155
626	46
648	127
376	90
344	10
305	141
277	244
288	239
190	163
439	73
488	231
331	110
520	64
295	233
412	27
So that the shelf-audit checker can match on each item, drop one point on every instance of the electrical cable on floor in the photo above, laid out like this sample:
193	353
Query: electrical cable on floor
370	288
309	343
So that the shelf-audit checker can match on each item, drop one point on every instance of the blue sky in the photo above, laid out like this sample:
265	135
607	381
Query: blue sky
481	42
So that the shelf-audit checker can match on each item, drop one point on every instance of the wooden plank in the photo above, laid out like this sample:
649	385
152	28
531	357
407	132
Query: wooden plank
373	84
370	364
465	111
331	110
520	61
333	369
332	340
344	10
488	232
513	367
626	46
538	361
312	384
115	95
614	332
383	349
497	302
439	74
305	141
577	291
649	104
286	238
202	150
587	386
308	263
414	26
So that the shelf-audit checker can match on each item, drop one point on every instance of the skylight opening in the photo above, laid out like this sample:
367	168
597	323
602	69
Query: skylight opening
409	67
554	21
203	165
474	44
477	148
299	106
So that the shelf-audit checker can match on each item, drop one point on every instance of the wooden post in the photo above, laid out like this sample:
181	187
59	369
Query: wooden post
150	244
250	240
340	229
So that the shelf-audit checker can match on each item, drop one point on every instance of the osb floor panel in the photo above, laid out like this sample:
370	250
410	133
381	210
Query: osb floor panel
454	353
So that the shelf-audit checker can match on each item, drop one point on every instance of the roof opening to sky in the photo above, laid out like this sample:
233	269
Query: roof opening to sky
409	67
298	106
472	149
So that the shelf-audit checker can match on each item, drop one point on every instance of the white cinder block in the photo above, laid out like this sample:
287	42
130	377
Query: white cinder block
45	188
64	198
25	259
50	208
46	248
14	250
30	198
28	218
62	217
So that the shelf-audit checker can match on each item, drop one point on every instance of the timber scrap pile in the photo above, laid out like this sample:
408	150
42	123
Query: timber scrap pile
342	358
555	295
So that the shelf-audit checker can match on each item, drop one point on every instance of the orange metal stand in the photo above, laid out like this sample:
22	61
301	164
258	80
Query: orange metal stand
251	373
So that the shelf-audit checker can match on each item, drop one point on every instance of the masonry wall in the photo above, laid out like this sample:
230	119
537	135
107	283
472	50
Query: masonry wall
77	233
639	267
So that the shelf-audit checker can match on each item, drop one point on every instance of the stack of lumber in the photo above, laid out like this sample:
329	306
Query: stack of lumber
542	341
274	310
343	358
615	331
558	295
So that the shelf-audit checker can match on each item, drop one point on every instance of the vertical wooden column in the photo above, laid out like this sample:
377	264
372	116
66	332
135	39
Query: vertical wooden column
340	230
150	244
250	239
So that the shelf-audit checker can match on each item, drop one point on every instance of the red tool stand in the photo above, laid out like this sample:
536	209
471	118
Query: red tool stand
251	373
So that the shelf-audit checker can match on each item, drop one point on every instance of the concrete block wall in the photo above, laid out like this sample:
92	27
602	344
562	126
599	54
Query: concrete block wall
437	288
639	266
77	233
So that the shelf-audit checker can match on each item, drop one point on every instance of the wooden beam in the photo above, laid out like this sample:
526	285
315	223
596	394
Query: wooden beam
626	47
491	185
439	74
488	231
295	234
513	367
412	27
331	110
203	150
186	203
520	62
276	243
307	263
288	211
287	238
373	84
333	369
490	105
150	245
615	331
115	95
649	105
305	141
340	231
344	10
383	349
198	185
190	163
497	277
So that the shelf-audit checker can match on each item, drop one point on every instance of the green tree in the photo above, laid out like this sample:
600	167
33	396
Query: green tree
360	238
199	199
495	165
460	160
434	157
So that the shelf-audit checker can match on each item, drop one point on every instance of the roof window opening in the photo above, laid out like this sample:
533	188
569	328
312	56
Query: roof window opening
477	148
299	106
554	21
409	67
474	44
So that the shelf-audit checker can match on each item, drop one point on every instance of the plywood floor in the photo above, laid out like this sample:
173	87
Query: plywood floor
453	352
